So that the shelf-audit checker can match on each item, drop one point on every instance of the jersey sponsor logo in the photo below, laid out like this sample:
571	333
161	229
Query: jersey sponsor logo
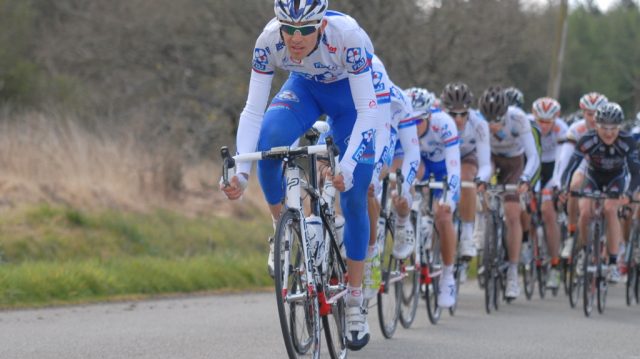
356	59
320	65
280	45
288	95
378	85
365	152
260	59
412	171
332	49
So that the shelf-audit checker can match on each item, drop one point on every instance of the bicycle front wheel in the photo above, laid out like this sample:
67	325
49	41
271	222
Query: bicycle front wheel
298	309
575	272
409	290
490	265
389	293
632	268
334	322
434	263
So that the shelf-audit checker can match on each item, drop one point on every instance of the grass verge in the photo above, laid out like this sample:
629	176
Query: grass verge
54	255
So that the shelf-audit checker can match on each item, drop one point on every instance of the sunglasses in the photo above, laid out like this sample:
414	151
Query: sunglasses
304	29
458	114
608	128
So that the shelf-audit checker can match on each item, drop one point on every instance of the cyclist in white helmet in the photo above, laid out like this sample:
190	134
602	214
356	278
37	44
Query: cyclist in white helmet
475	151
514	152
546	112
327	56
440	152
401	135
589	104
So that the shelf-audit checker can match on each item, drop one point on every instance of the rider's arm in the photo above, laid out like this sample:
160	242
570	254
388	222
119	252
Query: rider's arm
257	99
452	160
573	164
364	99
530	150
483	150
408	136
633	162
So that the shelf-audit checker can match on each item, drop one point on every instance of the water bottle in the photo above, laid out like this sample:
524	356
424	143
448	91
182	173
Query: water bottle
315	235
426	229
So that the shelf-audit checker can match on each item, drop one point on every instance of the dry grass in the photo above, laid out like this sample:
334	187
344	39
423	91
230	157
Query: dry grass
55	159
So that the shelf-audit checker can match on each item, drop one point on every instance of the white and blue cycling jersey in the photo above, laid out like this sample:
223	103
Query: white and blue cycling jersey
334	80
440	152
474	138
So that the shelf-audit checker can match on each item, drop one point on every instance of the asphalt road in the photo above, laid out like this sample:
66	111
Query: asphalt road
246	326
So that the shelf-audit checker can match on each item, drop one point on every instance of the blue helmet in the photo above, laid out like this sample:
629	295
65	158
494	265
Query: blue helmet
421	99
294	11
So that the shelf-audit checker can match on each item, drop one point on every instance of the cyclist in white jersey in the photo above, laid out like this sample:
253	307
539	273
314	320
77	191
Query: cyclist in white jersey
475	151
401	133
589	103
440	152
511	140
553	130
327	55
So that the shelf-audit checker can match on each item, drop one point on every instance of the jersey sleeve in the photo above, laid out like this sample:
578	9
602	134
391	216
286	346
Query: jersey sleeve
257	99
633	163
449	136
364	98
573	163
532	165
483	150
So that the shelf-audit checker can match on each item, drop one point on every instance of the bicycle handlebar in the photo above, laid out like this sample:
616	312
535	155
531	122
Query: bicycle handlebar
595	195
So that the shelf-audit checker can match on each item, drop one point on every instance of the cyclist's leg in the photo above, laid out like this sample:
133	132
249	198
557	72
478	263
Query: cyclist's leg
584	205
510	172
291	112
614	229
467	205
572	207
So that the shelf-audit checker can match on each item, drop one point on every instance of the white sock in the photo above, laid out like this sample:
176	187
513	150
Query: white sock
354	296
513	269
467	227
447	271
371	251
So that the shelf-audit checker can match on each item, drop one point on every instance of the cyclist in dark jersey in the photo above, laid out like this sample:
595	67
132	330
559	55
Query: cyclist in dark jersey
613	163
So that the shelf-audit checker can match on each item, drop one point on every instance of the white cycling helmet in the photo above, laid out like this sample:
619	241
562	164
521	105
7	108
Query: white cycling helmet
421	99
546	108
295	11
592	101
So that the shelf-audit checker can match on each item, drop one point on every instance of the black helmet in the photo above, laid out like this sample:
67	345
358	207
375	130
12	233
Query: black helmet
514	97
610	114
456	95
493	104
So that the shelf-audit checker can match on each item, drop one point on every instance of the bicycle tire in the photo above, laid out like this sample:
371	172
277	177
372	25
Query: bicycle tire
601	282
489	264
389	293
431	293
590	276
459	266
632	271
409	290
575	278
299	319
334	322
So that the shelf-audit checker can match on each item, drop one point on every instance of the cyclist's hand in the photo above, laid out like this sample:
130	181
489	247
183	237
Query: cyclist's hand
445	206
236	186
562	197
400	203
481	186
324	169
523	187
343	182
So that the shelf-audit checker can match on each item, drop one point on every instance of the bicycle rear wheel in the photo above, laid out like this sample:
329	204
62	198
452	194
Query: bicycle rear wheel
298	309
389	293
409	290
490	265
334	322
434	263
575	272
632	269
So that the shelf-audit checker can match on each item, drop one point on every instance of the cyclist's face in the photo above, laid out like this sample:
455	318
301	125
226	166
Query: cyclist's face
460	115
608	133
545	125
590	116
301	38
